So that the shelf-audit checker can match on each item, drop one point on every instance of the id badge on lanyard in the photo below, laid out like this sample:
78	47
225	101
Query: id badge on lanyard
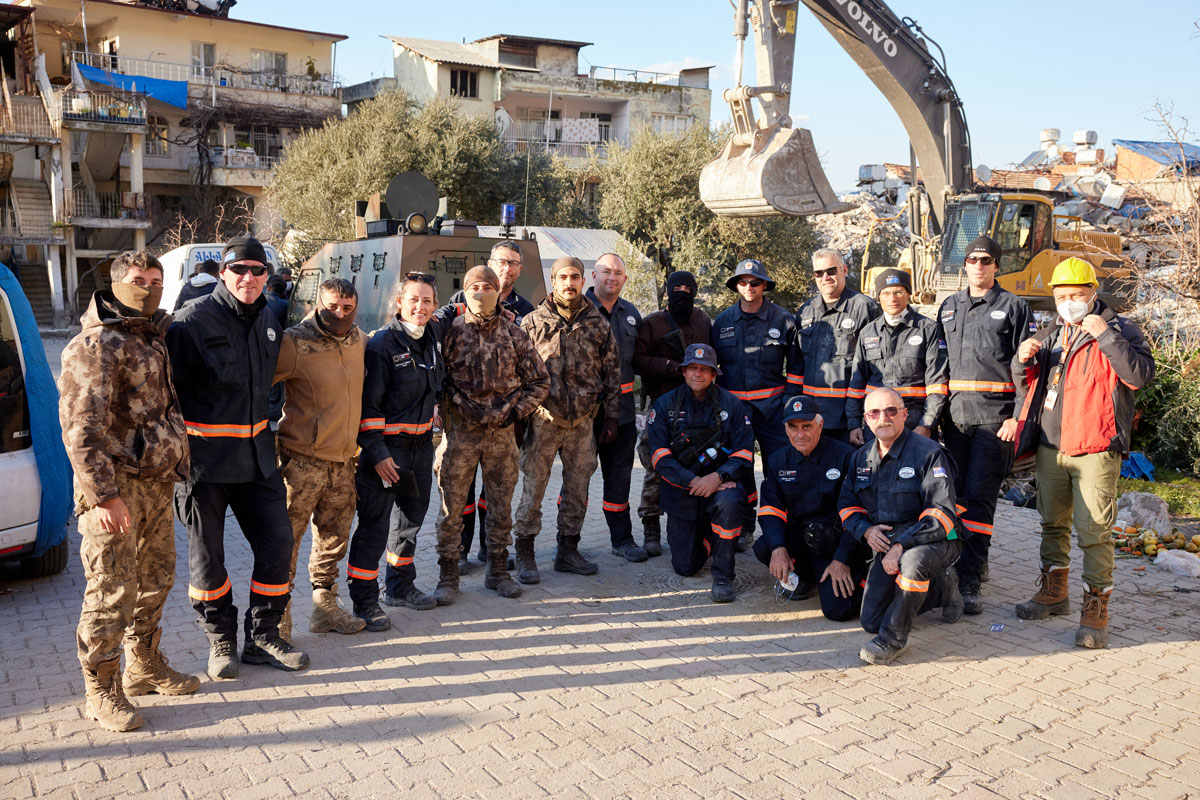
1057	374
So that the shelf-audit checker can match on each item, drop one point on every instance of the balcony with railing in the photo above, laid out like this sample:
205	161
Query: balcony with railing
550	136
25	118
107	209
107	108
222	76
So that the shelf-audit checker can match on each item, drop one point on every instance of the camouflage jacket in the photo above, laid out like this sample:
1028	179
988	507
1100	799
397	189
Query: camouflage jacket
493	372
118	407
322	377
581	356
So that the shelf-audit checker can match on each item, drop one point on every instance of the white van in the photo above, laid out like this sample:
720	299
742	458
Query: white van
20	484
180	264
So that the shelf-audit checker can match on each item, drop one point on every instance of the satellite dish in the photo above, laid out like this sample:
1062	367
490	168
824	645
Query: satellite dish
1042	184
983	173
411	192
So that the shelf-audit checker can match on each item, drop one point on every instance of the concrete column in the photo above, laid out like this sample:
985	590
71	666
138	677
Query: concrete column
59	153
137	182
68	182
54	273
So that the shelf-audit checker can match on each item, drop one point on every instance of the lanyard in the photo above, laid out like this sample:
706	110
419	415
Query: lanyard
1068	339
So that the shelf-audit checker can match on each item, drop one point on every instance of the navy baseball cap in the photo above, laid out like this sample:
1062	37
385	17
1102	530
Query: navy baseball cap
800	407
749	268
702	354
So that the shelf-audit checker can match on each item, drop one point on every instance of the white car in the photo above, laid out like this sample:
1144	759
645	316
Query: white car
180	264
20	483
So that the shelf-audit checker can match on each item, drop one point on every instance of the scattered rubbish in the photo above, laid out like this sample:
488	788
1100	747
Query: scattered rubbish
1180	562
997	627
1142	568
1137	466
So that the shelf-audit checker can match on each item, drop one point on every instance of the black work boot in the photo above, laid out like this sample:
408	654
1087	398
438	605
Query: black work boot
410	596
652	536
722	592
275	651
880	651
745	540
955	600
631	552
447	585
222	659
498	577
568	558
526	561
972	595
373	615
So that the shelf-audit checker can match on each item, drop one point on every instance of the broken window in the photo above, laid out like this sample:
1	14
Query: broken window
464	83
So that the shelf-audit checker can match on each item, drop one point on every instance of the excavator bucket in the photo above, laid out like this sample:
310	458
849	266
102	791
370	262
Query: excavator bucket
773	170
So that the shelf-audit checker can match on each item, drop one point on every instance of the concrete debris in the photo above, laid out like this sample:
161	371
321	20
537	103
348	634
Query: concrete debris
847	232
1143	510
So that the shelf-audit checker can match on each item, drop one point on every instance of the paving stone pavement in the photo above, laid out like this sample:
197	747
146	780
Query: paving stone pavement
629	683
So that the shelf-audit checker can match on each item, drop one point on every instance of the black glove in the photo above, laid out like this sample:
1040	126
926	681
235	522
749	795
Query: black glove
608	433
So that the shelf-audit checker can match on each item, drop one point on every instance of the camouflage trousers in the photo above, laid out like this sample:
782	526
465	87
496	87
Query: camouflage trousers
323	492
465	447
128	574
575	445
648	505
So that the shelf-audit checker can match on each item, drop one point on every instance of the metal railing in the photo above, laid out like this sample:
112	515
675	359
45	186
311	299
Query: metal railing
105	205
634	75
546	136
27	118
177	157
9	228
122	108
245	159
219	76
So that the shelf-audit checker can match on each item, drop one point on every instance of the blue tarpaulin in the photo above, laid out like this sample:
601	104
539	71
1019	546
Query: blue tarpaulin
1169	154
170	92
53	467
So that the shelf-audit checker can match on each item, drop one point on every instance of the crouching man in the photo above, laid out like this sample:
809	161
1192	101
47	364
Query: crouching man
799	515
701	444
900	501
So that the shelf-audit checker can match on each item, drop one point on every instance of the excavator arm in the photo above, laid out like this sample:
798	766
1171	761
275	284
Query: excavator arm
770	167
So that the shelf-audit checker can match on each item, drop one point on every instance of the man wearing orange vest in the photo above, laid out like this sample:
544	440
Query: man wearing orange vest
1075	384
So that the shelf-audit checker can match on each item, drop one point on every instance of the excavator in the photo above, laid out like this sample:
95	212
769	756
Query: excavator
771	167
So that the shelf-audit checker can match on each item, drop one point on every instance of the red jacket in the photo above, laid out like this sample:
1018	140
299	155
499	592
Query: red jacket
1096	390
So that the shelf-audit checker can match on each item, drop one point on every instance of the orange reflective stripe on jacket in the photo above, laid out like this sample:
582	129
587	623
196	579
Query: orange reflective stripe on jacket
727	533
226	431
903	391
825	391
941	517
772	511
626	388
758	394
849	511
658	454
977	527
981	386
909	585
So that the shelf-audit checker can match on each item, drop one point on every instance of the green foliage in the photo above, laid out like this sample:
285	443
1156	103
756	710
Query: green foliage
1169	408
651	195
327	169
1181	491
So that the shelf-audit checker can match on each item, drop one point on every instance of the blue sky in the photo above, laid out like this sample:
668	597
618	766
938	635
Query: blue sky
1020	65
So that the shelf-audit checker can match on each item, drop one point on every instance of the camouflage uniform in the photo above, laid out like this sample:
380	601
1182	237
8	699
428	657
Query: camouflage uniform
125	437
585	372
323	376
494	376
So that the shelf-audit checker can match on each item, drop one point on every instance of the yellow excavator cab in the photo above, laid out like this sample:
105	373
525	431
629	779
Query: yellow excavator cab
771	170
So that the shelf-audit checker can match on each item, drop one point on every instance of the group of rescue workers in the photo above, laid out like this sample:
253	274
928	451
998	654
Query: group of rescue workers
846	398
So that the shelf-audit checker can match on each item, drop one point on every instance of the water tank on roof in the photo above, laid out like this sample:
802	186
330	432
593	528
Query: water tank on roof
1051	134
1088	138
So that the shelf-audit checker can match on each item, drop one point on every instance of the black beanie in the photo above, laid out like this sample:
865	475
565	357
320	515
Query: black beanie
244	248
984	244
892	277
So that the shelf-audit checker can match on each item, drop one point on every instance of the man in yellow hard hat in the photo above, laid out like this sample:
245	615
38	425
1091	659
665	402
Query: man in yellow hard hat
1075	383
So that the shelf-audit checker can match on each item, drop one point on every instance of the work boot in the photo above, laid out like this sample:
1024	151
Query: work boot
498	577
146	670
1052	598
105	699
878	651
464	565
972	594
412	597
328	616
285	622
222	659
745	540
955	602
275	651
985	573
722	592
1093	620
568	559
651	536
482	555
447	585
526	561
631	552
373	616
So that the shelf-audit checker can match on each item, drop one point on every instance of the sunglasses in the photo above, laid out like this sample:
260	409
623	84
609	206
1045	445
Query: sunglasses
422	277
825	273
891	412
754	284
241	269
987	261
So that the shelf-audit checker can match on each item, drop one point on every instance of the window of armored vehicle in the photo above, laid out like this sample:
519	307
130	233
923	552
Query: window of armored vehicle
14	408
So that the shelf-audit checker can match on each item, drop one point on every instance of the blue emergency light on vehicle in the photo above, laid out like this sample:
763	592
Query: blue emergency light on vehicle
508	214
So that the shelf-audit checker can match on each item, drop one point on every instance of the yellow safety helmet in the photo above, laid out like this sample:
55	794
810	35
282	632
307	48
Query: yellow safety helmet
1074	272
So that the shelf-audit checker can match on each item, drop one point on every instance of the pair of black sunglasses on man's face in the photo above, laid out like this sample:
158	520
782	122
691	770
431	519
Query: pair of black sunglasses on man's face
257	270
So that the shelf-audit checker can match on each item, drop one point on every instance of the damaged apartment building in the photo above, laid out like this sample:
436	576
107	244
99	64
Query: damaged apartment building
540	100
120	115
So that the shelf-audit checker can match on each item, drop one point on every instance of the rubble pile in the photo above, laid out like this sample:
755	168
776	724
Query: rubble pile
847	232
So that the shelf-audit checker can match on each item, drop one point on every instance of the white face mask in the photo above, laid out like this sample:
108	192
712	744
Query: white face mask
1073	311
893	321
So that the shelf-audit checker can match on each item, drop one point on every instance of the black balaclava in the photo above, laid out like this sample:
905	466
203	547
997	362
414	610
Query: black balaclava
679	301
